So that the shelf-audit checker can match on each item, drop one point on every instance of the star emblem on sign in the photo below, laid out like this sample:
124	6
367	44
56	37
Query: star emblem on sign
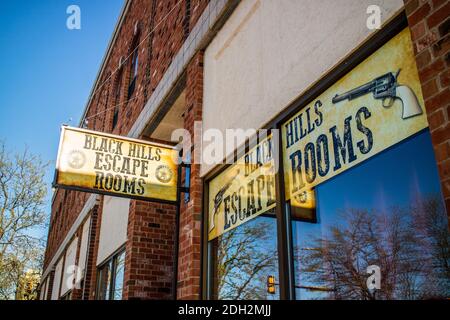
164	174
76	159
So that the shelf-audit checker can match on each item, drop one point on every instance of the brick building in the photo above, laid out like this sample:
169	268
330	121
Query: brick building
242	64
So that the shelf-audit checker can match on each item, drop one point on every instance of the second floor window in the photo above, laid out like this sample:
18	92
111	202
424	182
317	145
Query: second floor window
133	71
117	93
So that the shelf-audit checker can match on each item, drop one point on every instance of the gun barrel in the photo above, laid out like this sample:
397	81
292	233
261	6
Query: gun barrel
355	93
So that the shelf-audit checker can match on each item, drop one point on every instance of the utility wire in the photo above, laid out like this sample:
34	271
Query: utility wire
126	59
109	108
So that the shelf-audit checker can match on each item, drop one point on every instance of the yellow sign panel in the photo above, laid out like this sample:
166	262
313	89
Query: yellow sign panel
243	191
101	163
378	104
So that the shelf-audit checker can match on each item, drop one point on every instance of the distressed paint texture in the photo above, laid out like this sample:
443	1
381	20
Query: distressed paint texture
386	124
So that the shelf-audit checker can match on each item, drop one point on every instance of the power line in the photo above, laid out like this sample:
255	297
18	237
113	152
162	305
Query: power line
117	105
126	59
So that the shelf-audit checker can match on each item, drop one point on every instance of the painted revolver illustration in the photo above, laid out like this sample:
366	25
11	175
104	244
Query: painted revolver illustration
388	90
219	198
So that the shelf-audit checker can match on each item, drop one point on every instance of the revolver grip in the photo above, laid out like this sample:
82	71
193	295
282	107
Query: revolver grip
411	106
211	224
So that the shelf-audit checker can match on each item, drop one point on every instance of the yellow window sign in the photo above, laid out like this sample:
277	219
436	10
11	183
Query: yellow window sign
378	104
107	164
243	191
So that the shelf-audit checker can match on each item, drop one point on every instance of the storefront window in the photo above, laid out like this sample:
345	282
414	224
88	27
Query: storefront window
386	213
242	227
104	281
110	278
362	189
244	258
119	274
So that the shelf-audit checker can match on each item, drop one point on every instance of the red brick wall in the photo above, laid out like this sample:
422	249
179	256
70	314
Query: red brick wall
189	257
150	251
429	21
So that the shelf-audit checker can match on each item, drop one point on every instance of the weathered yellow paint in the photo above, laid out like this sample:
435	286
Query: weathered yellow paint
386	123
252	179
155	173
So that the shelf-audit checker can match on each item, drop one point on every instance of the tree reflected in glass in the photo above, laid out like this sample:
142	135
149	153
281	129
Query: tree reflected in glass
409	245
387	212
245	256
119	276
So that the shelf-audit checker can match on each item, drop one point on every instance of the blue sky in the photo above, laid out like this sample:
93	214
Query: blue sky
47	70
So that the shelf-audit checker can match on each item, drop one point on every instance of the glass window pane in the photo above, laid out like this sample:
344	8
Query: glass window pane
243	258
387	215
135	63
242	227
118	277
104	282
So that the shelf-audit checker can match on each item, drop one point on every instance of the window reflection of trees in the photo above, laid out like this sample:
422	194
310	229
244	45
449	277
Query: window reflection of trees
409	244
245	257
119	274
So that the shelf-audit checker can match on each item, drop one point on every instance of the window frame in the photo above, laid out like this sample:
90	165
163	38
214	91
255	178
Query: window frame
284	227
134	68
67	296
112	260
117	98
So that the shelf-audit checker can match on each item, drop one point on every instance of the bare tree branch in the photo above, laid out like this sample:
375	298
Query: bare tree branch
22	199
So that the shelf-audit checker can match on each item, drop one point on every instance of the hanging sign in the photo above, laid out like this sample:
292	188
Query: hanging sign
243	191
96	162
378	104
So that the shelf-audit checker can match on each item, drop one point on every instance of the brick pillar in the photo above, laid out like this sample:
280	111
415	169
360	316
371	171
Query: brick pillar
430	24
189	257
90	273
149	251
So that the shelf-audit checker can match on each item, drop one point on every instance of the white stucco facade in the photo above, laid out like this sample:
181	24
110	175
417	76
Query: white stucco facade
69	269
57	280
113	231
